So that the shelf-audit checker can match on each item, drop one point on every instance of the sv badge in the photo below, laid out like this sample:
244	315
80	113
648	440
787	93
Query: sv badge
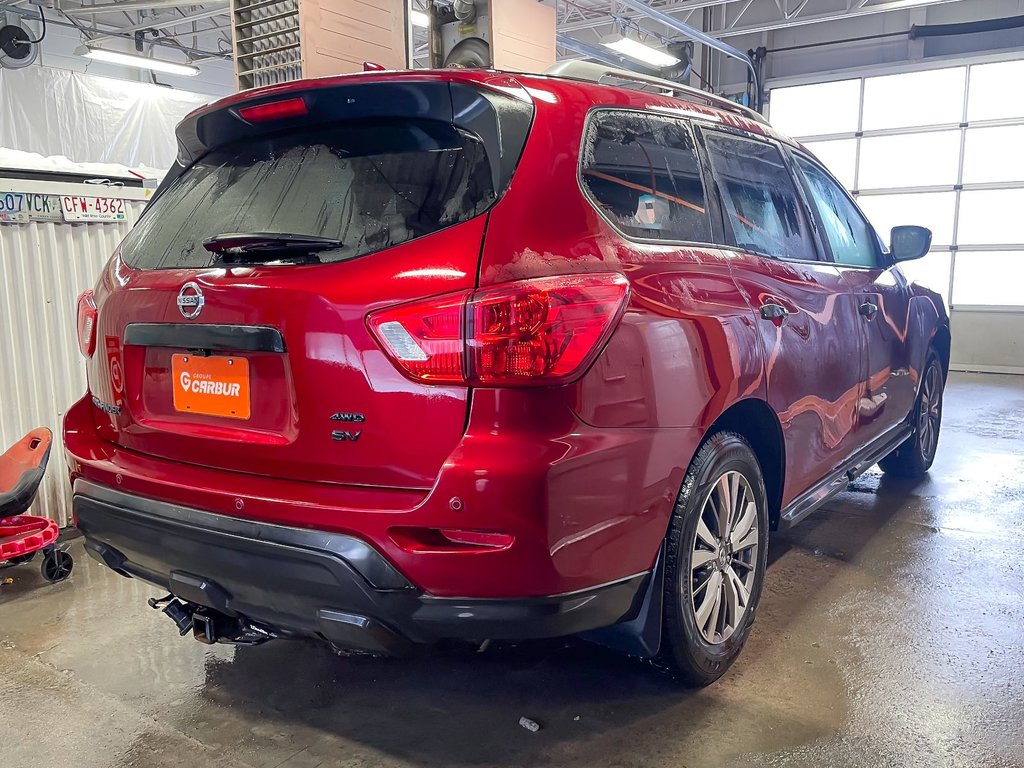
341	436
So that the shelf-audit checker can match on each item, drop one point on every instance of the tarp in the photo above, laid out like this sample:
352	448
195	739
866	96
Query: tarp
85	118
31	161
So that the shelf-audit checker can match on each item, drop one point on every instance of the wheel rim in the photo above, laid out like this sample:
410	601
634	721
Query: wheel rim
723	558
929	414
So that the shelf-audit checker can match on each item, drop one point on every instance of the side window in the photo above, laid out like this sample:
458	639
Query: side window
760	204
851	239
642	172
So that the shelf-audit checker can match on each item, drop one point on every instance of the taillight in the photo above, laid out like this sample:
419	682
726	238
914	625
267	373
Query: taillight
87	323
542	331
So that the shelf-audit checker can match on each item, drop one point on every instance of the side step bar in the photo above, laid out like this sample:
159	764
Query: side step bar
838	481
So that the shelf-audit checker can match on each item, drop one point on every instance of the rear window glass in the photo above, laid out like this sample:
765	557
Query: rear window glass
371	185
642	172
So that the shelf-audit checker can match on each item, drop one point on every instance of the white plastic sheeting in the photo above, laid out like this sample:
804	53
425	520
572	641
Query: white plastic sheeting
91	119
43	267
31	161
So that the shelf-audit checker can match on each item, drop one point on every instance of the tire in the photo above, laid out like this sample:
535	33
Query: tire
915	455
699	655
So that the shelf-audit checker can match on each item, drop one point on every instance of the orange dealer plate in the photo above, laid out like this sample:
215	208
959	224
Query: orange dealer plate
212	386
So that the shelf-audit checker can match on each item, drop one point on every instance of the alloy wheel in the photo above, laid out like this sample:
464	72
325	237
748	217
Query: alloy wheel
723	558
930	412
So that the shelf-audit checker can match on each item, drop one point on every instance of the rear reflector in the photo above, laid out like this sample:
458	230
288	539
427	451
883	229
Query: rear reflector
449	540
274	110
87	323
543	331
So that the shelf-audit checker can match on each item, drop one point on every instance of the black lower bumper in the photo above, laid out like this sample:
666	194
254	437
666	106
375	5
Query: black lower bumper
315	583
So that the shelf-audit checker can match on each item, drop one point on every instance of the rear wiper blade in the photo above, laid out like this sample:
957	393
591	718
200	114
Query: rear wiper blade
266	246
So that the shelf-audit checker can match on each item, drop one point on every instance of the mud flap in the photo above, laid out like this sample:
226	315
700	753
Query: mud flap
639	636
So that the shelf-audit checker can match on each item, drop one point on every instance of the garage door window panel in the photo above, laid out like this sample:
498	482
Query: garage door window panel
818	109
933	97
989	278
991	217
911	160
762	211
643	174
994	155
994	91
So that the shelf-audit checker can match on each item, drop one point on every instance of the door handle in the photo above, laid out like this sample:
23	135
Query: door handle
868	309
771	311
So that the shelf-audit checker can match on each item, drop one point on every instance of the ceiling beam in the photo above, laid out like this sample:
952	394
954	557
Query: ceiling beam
135	5
863	10
168	24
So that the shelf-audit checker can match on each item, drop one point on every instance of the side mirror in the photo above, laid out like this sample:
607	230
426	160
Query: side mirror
909	242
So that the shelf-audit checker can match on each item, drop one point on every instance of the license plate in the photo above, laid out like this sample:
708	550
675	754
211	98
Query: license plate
212	386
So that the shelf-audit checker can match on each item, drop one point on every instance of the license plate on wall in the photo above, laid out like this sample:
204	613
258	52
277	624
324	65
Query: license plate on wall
211	386
78	208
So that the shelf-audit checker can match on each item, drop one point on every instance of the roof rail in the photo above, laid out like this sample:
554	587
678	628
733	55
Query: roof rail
599	73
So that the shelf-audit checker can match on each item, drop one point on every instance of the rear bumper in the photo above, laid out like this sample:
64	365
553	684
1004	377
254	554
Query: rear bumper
313	583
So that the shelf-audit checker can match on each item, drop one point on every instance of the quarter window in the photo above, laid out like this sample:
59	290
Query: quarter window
850	237
761	209
642	172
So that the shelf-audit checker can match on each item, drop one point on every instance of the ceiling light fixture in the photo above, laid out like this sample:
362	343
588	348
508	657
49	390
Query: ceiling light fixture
134	60
642	52
419	19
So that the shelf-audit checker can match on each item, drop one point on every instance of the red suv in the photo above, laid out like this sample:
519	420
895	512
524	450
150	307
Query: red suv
398	357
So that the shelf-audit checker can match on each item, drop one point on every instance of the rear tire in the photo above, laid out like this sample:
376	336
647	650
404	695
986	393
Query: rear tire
915	455
716	556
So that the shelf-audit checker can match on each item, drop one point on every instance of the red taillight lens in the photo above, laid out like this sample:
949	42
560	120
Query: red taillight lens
541	331
425	338
274	110
87	323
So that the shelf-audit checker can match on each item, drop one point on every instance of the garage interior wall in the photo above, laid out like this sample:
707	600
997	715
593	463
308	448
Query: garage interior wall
44	266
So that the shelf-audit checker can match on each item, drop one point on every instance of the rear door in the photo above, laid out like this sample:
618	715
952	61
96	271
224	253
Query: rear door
260	360
807	320
883	301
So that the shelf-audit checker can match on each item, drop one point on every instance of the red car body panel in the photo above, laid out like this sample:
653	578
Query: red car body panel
583	476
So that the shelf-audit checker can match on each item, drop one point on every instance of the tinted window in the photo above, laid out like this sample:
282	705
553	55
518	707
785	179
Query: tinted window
370	185
850	238
642	172
761	208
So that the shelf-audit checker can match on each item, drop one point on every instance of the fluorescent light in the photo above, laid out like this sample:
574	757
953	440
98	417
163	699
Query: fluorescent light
419	19
634	49
144	62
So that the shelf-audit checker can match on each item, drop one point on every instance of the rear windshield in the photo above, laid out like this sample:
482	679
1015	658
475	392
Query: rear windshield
370	185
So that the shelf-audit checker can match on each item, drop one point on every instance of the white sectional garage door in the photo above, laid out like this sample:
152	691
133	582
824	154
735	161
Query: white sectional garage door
943	148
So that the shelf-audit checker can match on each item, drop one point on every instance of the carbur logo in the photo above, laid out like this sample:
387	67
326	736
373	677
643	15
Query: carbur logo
190	383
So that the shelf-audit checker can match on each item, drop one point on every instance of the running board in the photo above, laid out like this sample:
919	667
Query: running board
838	481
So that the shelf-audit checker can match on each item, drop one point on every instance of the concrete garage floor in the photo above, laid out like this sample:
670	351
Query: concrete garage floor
891	633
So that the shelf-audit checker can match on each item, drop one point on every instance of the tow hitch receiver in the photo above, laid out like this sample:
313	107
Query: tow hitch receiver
209	626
